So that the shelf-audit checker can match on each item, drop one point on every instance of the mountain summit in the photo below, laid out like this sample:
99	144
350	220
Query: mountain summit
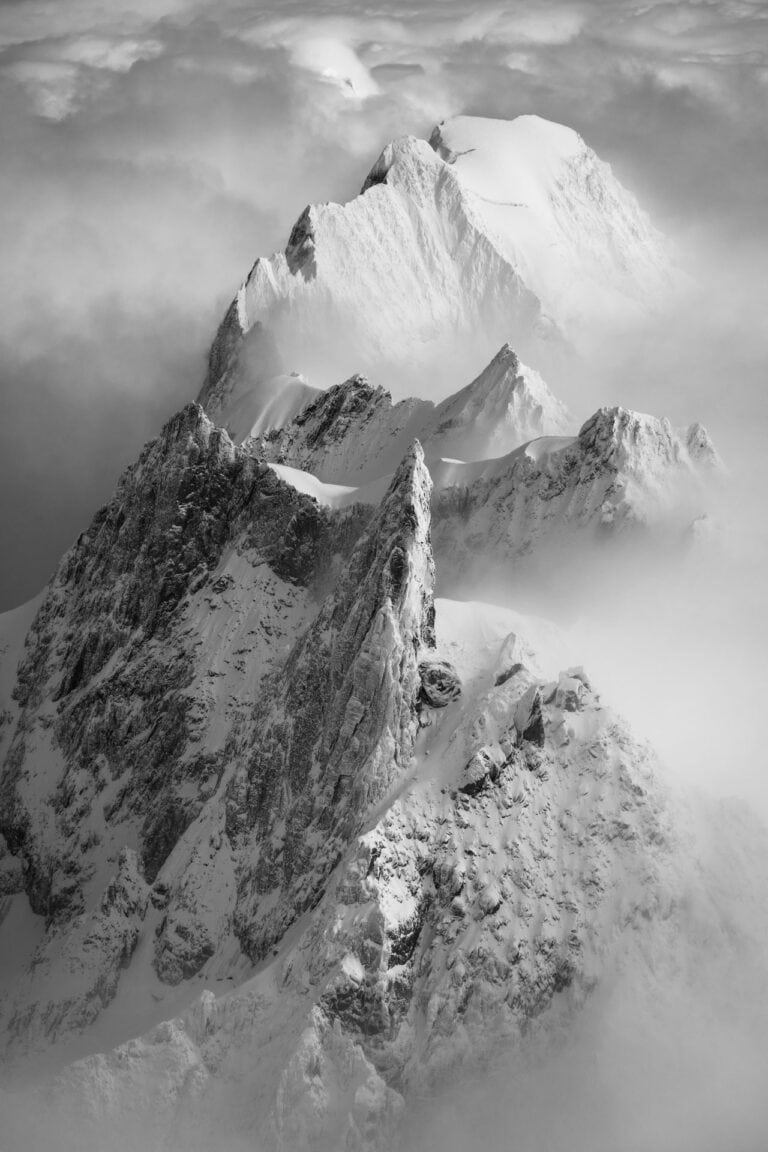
493	231
578	238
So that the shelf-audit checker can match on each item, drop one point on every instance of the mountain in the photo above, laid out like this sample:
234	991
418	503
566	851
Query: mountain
559	215
354	434
289	847
495	231
533	854
624	475
144	657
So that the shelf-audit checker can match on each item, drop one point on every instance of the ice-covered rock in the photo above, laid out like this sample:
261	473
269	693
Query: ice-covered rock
624	473
481	907
336	727
353	433
145	654
501	230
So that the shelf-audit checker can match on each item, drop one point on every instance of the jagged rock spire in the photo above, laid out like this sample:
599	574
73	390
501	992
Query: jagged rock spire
338	726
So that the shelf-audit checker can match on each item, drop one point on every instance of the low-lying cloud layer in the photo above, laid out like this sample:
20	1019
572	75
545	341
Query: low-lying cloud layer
150	154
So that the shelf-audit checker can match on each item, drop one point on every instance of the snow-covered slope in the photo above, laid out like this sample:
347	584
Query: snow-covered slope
354	434
578	238
499	231
532	853
262	407
624	473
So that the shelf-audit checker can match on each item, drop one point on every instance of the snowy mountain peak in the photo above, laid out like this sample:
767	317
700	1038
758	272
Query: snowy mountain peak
636	443
504	406
291	838
404	161
501	230
559	214
353	433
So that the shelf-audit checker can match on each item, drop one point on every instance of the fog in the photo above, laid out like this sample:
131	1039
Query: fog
148	156
675	637
669	1057
640	1076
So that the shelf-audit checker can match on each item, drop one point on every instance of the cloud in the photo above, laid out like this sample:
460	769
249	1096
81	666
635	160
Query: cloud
150	154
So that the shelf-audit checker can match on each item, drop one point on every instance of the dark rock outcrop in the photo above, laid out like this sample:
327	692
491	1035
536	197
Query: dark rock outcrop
440	683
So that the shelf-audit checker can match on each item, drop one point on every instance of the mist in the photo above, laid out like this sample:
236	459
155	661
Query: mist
149	158
669	1056
635	1075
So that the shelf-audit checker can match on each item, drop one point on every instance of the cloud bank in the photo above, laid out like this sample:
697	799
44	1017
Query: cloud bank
148	156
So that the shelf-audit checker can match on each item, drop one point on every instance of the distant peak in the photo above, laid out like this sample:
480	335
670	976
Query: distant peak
633	438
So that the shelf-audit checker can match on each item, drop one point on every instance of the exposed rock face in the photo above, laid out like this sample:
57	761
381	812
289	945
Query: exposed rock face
440	683
336	728
144	657
242	795
486	900
623	472
353	433
75	972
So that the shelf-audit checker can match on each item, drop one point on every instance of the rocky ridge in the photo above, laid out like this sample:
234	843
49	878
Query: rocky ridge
354	434
493	232
625	476
145	657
